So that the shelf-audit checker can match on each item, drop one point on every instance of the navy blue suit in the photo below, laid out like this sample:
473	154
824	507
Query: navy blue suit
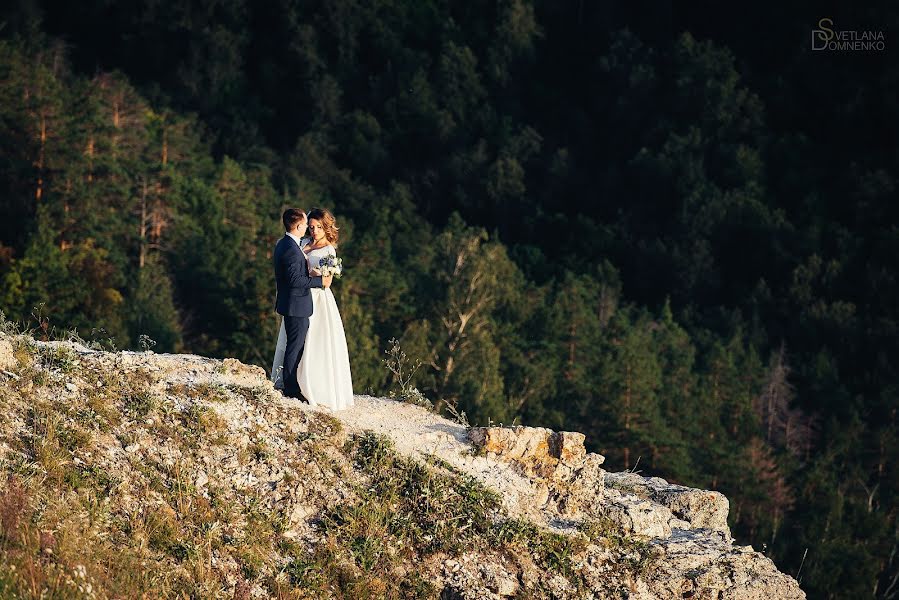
294	303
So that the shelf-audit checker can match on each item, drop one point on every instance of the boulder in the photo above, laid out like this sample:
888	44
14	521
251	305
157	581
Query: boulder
699	508
563	473
535	451
8	360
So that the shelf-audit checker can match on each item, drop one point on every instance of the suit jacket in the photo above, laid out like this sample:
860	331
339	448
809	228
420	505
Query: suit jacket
292	280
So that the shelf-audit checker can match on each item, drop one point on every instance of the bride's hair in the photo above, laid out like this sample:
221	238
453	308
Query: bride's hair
325	217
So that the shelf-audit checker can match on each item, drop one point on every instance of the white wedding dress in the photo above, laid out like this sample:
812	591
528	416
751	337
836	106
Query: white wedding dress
324	372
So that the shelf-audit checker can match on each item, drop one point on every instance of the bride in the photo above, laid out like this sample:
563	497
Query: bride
324	370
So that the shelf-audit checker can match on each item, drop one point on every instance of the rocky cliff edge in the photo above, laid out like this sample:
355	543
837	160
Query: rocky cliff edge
151	475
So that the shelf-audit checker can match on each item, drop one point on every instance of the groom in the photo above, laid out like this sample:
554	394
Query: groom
294	302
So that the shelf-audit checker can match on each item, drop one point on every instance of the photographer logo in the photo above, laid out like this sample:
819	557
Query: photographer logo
828	38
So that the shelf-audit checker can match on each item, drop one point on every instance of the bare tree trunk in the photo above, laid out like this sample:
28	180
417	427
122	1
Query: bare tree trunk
90	161
39	192
788	429
607	304
143	224
572	347
63	244
627	414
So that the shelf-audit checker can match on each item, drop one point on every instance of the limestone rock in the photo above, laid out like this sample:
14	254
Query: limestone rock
535	450
235	367
639	516
694	564
8	360
585	487
699	508
563	475
499	580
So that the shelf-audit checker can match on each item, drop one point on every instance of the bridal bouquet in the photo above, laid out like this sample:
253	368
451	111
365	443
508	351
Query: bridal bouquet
331	265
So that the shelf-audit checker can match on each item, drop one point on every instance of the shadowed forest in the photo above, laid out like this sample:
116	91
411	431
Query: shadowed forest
666	227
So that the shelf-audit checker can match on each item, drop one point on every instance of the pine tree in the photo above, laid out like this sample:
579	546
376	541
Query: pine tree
630	380
679	398
152	309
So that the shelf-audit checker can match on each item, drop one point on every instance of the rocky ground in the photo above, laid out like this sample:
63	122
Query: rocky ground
129	475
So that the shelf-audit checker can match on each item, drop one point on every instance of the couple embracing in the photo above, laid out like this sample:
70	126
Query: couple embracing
311	355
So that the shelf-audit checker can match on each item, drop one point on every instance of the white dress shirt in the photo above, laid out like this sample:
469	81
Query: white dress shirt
296	238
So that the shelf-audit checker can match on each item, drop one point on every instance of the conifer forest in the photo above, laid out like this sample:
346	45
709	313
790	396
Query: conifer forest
671	226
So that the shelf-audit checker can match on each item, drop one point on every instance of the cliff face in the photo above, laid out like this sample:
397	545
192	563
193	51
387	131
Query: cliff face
130	475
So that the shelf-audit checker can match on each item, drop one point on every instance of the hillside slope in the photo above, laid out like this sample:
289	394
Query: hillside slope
138	475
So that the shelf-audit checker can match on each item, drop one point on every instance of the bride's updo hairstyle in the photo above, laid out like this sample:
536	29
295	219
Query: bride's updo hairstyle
325	217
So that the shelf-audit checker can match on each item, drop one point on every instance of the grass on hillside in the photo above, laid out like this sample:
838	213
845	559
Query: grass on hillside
72	528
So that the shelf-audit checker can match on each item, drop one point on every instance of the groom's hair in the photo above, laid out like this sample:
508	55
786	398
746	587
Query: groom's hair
291	217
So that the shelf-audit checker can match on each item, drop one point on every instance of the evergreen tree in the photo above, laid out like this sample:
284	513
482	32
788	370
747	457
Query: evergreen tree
152	309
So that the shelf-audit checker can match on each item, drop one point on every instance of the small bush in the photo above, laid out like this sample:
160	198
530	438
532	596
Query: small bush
8	327
57	358
138	403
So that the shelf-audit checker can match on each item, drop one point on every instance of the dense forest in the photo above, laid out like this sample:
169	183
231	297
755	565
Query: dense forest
675	232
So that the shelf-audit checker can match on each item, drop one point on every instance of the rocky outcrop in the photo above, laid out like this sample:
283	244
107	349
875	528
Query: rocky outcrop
698	508
704	565
563	475
214	485
694	555
537	450
579	488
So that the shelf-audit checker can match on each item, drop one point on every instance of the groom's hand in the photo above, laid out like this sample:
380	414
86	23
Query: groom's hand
326	280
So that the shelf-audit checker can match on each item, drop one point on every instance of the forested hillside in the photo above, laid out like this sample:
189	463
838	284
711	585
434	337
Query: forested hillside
645	224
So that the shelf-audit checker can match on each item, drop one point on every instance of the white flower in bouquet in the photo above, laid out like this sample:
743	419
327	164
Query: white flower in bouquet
331	265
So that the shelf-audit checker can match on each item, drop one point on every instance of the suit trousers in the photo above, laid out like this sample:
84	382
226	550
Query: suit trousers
296	329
